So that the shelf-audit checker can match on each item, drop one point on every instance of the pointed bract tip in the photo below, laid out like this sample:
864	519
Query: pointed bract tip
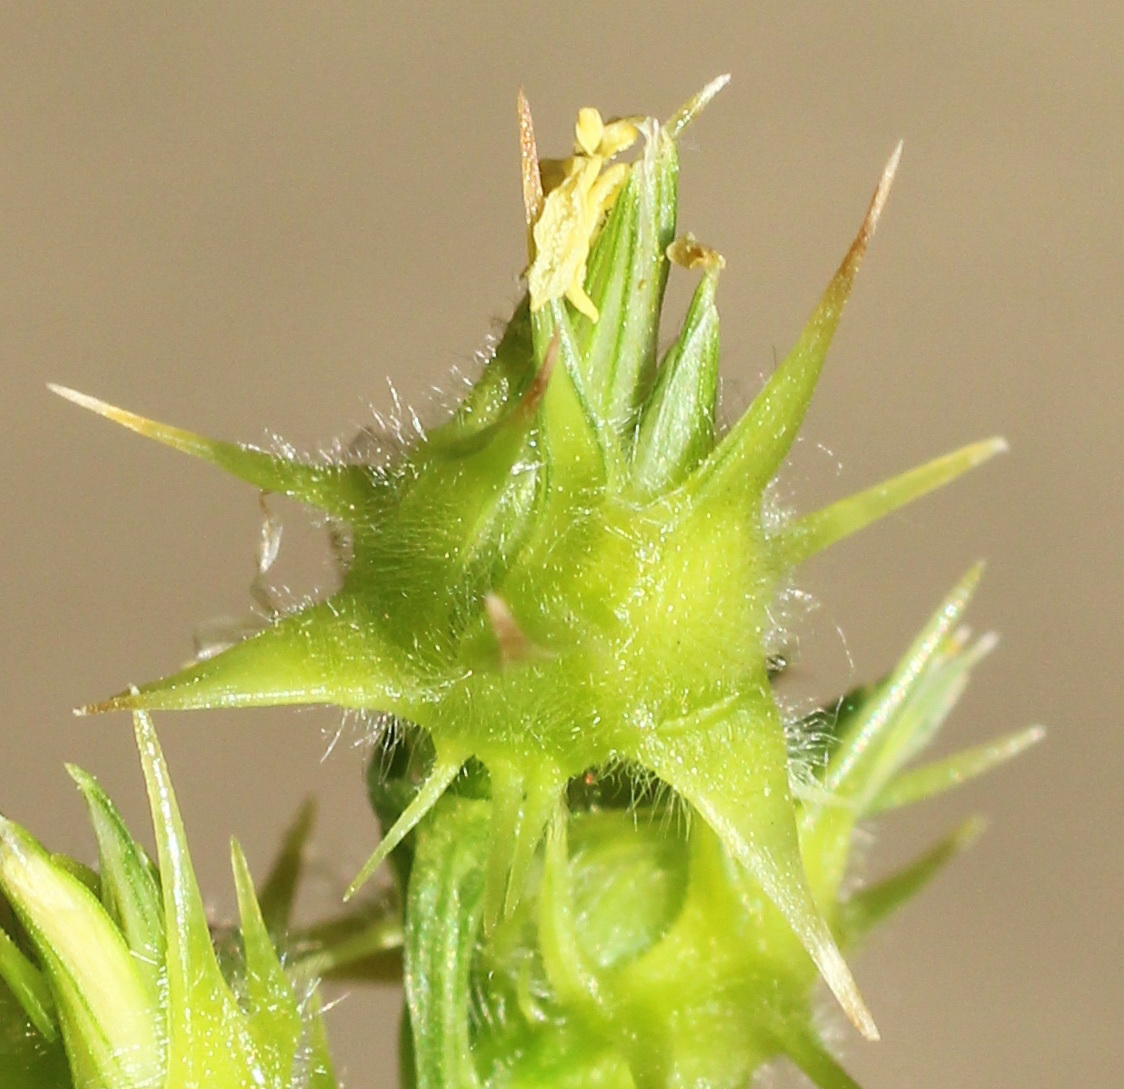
176	437
886	181
821	529
429	794
842	984
986	449
967	834
695	105
95	404
82	778
874	211
979	650
123	701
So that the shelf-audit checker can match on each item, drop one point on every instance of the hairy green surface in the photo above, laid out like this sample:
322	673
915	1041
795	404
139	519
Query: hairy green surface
618	867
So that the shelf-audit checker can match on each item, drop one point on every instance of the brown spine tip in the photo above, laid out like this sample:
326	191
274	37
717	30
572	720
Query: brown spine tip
536	391
123	701
877	202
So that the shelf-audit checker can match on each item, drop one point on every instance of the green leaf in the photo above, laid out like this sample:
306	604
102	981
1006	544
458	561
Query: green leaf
29	987
209	1042
627	275
577	449
271	1007
900	717
882	735
110	1029
677	426
27	1059
130	886
443	921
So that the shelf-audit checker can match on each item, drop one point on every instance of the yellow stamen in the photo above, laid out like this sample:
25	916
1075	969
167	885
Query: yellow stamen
579	191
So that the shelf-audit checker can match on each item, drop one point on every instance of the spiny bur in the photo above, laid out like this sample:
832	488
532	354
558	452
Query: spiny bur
614	871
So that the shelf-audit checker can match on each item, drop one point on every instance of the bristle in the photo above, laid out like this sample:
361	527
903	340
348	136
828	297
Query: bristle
752	452
440	777
932	779
815	532
333	488
864	909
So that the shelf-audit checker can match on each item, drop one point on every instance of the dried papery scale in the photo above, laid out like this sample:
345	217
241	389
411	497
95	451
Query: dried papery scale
564	590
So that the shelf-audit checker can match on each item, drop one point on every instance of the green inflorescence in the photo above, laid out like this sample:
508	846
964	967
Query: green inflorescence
613	870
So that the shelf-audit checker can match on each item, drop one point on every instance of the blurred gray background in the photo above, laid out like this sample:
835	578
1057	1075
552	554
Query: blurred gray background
243	218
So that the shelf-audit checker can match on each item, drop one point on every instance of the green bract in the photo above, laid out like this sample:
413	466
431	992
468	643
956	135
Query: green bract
110	980
620	869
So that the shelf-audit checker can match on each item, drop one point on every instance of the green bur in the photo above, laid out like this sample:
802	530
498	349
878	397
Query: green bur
112	982
570	576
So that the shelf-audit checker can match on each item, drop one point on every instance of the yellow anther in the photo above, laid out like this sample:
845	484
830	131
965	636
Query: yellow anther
588	131
618	136
592	136
578	194
688	252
